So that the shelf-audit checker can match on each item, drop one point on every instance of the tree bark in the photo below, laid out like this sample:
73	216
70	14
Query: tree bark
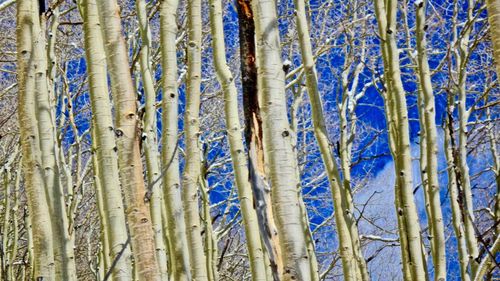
128	134
150	140
28	29
113	216
493	7
397	118
233	127
254	142
353	263
63	243
192	170
436	225
278	151
178	247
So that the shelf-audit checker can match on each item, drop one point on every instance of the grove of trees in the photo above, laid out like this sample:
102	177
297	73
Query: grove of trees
263	140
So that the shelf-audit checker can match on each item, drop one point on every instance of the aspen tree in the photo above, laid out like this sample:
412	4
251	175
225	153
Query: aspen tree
488	264
15	226
178	247
493	7
149	138
233	127
254	141
436	223
128	134
278	150
397	116
192	171
110	198
41	242
461	45
9	228
353	264
63	244
453	187
104	252
210	244
496	168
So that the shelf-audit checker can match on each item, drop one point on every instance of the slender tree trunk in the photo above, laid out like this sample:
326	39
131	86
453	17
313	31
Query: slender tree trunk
496	168
233	127
409	228
254	142
454	193
192	170
64	259
488	264
39	217
253	138
278	150
352	263
104	252
149	139
462	54
128	134
178	247
210	239
493	7
431	163
113	215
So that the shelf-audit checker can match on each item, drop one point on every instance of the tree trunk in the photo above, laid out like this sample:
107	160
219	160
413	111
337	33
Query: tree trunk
454	193
149	139
436	225
28	32
113	217
192	170
278	151
178	247
353	263
63	244
397	119
461	56
493	7
254	142
233	127
128	134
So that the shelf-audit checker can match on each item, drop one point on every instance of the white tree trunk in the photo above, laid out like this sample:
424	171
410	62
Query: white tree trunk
278	150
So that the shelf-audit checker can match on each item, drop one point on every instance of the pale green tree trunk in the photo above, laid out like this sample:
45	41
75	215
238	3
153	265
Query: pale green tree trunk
210	239
109	192
397	118
254	143
278	151
436	223
353	264
461	56
149	139
488	264
128	134
178	247
192	171
233	127
104	252
453	187
63	244
41	242
493	7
